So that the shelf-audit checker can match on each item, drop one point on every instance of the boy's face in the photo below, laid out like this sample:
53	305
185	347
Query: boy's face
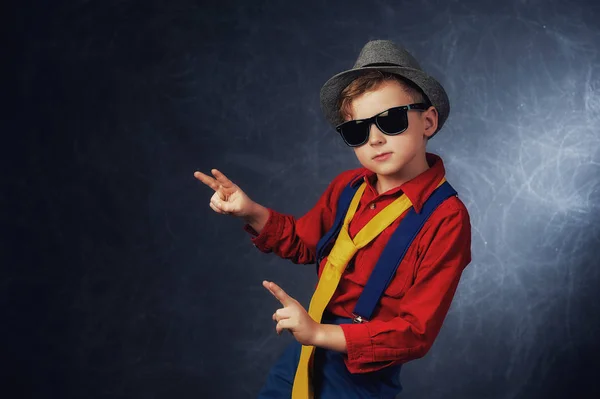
406	150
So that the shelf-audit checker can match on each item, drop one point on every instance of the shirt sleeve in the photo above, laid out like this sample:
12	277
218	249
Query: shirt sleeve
297	239
378	344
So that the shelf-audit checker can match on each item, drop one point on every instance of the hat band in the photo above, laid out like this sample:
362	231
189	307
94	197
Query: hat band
381	64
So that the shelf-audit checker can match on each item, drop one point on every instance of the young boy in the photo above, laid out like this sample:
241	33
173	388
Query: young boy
389	271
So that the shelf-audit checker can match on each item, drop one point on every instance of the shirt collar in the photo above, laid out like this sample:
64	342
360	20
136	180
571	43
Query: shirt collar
417	189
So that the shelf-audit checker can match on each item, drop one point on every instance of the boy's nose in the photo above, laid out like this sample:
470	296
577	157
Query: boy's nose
375	135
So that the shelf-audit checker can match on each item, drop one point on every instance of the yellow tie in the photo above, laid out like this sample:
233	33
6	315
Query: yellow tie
342	252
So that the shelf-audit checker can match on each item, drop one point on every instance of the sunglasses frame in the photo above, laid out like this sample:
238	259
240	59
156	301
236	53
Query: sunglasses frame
369	121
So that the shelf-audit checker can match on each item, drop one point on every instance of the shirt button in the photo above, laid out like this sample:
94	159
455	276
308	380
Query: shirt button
372	206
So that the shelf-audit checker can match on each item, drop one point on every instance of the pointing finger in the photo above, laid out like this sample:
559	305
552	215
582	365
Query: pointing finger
209	181
222	179
278	293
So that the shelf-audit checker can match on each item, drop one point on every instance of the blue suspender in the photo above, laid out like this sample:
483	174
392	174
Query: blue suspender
392	255
394	251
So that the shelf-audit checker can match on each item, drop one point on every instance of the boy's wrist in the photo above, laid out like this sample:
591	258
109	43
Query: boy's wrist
329	336
318	338
250	216
254	213
257	216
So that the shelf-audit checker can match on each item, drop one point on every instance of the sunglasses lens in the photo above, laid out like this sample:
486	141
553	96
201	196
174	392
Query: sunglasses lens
394	121
355	133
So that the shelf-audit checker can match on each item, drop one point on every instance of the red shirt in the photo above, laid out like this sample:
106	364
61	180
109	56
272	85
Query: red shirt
415	303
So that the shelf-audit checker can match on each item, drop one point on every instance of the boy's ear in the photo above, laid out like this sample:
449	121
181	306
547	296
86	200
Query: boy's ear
430	121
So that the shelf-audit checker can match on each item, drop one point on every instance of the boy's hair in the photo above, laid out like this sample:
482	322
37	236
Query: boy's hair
370	81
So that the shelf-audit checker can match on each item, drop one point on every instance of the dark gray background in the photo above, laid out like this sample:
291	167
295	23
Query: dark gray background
119	281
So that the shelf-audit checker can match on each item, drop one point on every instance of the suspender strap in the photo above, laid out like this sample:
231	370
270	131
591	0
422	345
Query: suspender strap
394	252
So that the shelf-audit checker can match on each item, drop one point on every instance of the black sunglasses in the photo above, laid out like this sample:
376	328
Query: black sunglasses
392	121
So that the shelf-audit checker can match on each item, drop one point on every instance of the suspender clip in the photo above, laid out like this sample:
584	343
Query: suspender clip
358	319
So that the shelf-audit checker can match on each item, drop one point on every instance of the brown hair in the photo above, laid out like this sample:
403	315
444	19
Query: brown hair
371	81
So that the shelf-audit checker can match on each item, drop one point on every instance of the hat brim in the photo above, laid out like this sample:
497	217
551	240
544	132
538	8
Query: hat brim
434	91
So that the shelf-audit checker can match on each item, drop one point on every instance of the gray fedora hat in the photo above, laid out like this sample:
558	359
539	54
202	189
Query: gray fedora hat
385	56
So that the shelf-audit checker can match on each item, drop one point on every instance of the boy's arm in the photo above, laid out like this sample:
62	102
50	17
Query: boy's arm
296	238
331	336
257	219
377	344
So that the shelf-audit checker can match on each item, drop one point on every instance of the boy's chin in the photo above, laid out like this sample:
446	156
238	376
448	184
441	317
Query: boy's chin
386	170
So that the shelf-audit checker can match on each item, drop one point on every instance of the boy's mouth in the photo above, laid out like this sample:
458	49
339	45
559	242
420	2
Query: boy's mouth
382	157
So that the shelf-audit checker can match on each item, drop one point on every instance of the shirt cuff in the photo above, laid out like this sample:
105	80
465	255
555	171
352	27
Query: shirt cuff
272	230
249	229
358	346
360	356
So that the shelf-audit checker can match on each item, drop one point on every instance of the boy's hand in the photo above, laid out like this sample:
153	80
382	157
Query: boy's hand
293	317
228	198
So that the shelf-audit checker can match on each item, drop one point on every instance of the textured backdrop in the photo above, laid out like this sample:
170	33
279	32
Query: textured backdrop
119	281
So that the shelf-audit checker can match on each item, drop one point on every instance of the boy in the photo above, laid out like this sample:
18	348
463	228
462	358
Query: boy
403	244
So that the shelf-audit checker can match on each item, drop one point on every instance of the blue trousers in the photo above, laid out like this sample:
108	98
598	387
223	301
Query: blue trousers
331	378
